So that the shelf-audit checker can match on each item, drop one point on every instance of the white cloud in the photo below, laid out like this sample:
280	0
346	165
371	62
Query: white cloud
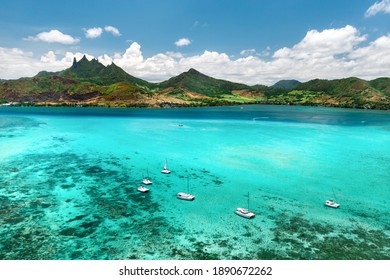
331	53
182	42
53	36
382	6
326	54
105	59
50	57
93	33
248	52
326	43
113	30
254	52
96	32
266	51
16	63
372	60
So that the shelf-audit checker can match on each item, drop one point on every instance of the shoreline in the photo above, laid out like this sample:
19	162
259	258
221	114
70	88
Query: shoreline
180	105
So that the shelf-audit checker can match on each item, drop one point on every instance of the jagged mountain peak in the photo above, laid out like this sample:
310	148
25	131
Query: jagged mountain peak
95	72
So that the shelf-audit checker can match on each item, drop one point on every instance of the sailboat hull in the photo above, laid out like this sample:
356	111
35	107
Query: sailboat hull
332	204
245	213
185	196
143	189
165	170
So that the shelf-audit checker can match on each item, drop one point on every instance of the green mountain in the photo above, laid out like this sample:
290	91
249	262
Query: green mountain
196	82
88	82
349	92
95	72
286	84
91	83
381	84
348	86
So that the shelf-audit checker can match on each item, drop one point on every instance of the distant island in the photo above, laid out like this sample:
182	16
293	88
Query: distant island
90	83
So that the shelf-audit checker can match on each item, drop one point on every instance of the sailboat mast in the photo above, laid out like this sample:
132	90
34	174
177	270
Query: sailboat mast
248	200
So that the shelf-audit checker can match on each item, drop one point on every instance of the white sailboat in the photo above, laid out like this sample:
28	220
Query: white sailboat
331	203
146	180
142	189
186	196
165	169
244	212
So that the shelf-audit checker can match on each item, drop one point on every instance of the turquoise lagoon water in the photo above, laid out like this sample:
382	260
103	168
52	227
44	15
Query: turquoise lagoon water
68	180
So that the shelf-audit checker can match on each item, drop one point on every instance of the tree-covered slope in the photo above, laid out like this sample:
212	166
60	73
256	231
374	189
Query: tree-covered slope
194	81
286	84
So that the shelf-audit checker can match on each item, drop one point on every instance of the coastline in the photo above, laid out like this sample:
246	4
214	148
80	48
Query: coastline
184	105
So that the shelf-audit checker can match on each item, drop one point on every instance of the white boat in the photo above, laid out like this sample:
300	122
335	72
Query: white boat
245	213
146	181
165	169
331	203
142	189
185	196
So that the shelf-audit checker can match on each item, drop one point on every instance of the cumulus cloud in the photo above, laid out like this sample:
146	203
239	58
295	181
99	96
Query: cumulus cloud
330	53
53	36
182	42
376	54
93	33
113	30
326	54
105	59
17	63
381	6
96	32
326	43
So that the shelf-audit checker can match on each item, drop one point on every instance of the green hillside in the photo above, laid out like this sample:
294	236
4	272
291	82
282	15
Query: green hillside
382	85
349	92
194	81
286	84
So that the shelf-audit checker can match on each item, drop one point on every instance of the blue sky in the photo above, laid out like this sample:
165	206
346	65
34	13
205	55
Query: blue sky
255	42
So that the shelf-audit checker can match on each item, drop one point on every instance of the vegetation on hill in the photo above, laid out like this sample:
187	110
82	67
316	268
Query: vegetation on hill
286	84
196	82
91	83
